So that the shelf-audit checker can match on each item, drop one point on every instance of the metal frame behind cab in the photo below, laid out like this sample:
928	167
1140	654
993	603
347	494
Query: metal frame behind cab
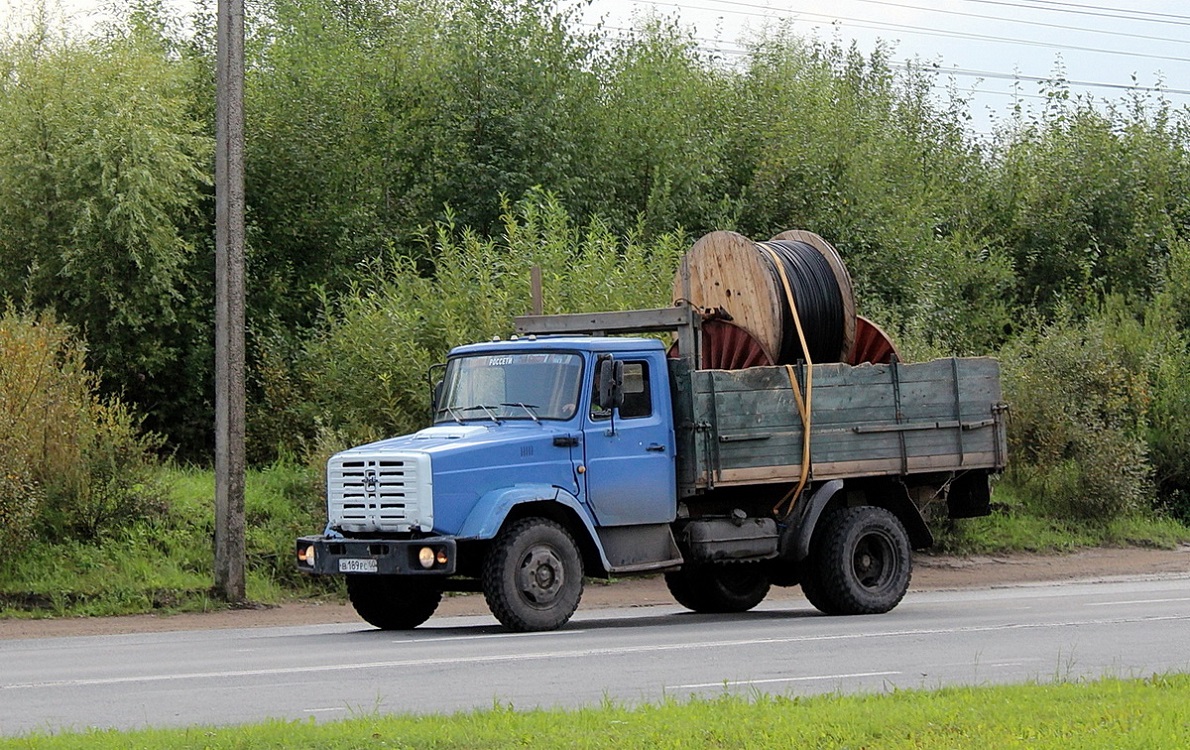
680	318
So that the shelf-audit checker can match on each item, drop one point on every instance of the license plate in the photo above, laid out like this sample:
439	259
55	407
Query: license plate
349	565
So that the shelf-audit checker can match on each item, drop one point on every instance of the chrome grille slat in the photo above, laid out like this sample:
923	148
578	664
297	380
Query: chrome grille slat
382	492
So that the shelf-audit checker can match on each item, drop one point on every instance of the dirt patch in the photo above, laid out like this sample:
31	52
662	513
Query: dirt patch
931	573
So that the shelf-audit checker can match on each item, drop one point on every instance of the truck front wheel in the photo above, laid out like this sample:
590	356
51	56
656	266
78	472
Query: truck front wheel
861	562
718	587
533	576
393	602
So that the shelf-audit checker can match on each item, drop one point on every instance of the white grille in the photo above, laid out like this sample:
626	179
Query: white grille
380	492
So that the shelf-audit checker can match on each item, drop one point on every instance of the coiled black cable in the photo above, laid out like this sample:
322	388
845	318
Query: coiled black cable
817	296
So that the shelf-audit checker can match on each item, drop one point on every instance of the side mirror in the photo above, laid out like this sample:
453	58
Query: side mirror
436	396
434	375
610	377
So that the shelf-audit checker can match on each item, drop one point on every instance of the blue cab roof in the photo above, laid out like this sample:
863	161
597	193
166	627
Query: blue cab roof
555	343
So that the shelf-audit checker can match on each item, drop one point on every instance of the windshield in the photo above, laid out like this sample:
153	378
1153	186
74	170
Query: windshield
493	387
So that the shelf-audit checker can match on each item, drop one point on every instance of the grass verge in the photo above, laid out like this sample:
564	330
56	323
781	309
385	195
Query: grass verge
164	563
1110	713
1013	527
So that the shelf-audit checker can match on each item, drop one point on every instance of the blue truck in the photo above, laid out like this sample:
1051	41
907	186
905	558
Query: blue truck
582	447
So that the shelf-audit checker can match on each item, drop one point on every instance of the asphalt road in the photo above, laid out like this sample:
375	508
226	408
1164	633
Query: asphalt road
1126	628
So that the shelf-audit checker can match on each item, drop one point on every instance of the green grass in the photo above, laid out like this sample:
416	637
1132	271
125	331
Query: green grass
1101	715
1012	527
164	564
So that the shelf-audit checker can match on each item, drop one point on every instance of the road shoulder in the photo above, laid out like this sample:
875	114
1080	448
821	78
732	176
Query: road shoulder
931	573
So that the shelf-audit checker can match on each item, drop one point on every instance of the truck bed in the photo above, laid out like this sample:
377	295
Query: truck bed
742	427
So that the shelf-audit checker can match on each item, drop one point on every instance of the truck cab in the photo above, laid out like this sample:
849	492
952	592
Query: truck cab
519	431
540	400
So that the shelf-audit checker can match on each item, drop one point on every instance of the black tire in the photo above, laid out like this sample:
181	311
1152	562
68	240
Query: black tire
718	587
862	563
685	589
393	602
533	576
812	590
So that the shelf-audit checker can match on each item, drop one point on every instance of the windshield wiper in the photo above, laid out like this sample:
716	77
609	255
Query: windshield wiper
528	410
451	412
486	410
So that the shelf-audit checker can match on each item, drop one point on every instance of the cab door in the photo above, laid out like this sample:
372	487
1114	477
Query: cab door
629	455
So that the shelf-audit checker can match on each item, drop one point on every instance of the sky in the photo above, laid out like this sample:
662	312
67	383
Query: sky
994	51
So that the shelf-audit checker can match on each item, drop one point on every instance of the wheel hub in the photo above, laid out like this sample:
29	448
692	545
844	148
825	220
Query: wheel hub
869	560
541	575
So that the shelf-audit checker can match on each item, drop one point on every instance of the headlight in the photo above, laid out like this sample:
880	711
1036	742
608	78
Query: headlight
306	555
426	557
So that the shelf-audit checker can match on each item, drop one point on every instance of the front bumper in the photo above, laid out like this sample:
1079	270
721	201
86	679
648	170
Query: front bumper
338	555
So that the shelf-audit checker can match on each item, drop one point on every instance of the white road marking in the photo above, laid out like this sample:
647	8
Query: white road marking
1007	664
322	710
1138	601
574	654
737	683
979	664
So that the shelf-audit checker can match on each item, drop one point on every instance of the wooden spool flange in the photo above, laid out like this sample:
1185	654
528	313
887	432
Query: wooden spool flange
726	272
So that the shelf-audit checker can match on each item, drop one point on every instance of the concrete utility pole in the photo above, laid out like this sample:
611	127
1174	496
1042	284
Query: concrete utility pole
229	304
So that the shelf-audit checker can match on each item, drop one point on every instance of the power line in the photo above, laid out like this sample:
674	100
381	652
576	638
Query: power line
1002	19
1131	14
730	50
1066	81
878	26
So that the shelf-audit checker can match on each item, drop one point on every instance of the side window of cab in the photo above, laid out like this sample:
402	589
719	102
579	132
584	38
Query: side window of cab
638	396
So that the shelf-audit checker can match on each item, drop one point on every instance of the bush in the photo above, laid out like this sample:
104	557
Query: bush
112	483
1169	428
20	499
74	465
365	369
1167	323
1079	406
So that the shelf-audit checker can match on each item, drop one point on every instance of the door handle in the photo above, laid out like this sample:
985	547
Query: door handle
656	448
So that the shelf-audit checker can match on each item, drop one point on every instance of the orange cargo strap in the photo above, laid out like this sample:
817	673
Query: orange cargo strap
803	405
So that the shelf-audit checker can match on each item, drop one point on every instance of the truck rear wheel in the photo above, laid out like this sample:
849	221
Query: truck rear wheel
393	602
533	576
861	564
718	587
812	590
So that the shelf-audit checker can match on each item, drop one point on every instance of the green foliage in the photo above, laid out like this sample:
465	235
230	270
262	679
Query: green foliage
372	116
1167	323
386	139
163	562
102	168
365	368
1090	199
20	500
109	483
1079	406
1169	435
665	134
75	465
